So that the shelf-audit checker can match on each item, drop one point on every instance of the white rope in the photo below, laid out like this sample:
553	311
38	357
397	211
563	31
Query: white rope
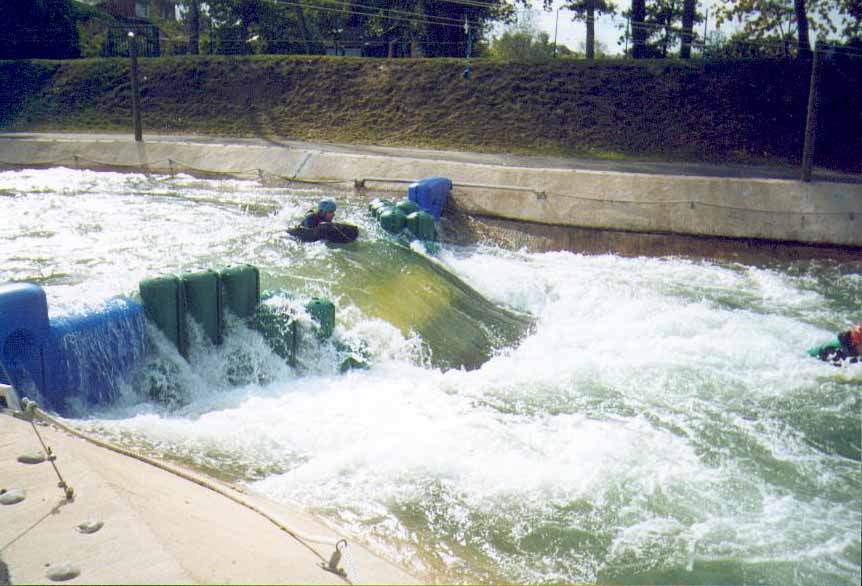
331	565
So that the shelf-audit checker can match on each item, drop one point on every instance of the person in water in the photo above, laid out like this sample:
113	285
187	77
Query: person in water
324	212
848	346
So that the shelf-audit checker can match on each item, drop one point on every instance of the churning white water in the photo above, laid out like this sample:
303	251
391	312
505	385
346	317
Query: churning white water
660	423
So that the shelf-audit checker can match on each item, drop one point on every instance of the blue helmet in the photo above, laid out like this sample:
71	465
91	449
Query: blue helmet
326	205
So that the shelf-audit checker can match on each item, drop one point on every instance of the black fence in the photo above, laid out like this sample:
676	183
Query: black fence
146	35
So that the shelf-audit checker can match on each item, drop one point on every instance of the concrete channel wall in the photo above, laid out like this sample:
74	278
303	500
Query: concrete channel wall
779	210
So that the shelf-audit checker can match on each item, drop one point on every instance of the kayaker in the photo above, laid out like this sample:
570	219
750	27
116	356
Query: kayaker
324	212
848	345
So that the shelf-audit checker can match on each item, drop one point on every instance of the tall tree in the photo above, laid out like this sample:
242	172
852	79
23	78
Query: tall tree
194	25
586	10
788	23
659	28
803	44
303	27
639	29
688	11
39	29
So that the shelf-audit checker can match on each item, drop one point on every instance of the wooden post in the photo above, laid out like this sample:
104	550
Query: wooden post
136	103
811	118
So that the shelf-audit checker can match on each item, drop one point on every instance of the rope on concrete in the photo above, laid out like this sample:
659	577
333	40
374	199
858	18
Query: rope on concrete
359	183
174	167
303	538
693	203
37	164
29	407
543	195
233	173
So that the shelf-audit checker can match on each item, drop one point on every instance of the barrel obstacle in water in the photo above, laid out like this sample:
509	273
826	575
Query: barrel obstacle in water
431	195
414	217
73	361
79	357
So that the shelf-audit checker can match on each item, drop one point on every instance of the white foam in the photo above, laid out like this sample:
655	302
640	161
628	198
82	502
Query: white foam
659	405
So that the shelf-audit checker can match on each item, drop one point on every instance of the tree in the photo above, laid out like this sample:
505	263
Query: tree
851	11
522	41
435	28
659	29
764	22
689	9
586	10
261	26
639	31
39	29
520	46
804	46
600	49
788	22
194	25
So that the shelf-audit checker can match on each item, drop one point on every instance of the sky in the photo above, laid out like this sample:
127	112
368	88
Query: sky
574	34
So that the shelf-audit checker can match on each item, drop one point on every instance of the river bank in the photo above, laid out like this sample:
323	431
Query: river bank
742	111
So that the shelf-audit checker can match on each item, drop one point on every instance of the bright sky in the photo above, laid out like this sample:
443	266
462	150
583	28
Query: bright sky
574	34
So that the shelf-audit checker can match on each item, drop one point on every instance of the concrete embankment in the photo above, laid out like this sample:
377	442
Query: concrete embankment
561	197
132	523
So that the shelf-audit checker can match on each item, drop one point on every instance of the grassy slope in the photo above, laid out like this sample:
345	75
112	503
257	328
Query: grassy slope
729	111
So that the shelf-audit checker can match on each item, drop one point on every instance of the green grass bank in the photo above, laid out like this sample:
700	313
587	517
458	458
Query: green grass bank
728	111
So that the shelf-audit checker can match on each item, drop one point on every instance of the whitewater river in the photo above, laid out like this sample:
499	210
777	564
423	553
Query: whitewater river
616	420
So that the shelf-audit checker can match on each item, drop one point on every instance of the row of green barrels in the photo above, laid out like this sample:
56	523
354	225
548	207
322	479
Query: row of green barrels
280	328
207	296
401	215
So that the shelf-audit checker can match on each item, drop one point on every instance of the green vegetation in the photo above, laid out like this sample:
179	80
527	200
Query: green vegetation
684	110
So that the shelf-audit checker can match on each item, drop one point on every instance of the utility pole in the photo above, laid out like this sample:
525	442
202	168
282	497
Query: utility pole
136	103
468	70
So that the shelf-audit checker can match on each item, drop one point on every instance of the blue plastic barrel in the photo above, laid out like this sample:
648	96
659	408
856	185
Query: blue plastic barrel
90	355
430	194
23	333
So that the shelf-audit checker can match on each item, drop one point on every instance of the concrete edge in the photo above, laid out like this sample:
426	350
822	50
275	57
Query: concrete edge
780	210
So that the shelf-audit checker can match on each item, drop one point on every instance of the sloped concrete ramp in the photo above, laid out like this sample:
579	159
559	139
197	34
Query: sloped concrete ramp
157	528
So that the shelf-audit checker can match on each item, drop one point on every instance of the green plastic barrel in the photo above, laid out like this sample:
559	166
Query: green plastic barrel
380	203
203	302
407	206
392	220
164	305
240	290
323	312
376	202
421	225
381	210
279	329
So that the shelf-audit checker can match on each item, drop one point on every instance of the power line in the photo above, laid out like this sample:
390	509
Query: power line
792	41
419	18
420	15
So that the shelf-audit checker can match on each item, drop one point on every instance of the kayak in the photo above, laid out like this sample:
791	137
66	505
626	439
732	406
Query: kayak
332	231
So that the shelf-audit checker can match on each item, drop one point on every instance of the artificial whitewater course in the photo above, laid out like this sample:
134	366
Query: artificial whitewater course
479	415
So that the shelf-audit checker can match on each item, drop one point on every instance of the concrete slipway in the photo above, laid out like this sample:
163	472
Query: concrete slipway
156	527
688	200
